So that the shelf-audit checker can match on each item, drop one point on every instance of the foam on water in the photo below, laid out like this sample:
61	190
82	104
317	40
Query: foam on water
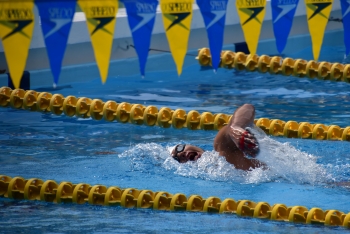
285	93
154	97
285	164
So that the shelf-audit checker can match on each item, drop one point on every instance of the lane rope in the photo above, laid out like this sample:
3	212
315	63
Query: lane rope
83	107
278	65
81	193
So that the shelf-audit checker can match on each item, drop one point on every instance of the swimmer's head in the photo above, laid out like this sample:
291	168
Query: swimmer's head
184	153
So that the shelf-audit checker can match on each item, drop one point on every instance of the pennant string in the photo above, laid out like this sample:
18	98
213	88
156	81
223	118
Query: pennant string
159	50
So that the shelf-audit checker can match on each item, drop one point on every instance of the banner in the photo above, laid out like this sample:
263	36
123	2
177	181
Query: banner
214	15
317	17
177	17
283	12
56	20
141	15
251	15
100	20
345	9
16	30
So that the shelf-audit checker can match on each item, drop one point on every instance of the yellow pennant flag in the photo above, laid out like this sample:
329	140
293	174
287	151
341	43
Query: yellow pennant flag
16	30
100	19
177	17
251	15
317	17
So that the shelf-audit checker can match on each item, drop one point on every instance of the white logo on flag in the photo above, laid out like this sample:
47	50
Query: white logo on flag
218	16
145	19
347	10
59	24
285	10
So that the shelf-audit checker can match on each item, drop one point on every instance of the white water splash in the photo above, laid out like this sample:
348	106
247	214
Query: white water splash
284	161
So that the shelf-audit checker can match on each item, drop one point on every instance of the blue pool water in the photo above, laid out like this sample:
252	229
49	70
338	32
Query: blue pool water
301	172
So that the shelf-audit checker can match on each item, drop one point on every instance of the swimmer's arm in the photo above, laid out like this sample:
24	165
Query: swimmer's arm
245	141
243	116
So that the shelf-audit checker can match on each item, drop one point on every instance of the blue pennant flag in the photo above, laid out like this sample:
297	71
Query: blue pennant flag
345	9
141	15
282	17
56	20
214	15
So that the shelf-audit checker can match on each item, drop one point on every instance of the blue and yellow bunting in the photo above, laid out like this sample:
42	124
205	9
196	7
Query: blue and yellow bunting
56	20
141	15
100	20
17	24
16	30
214	15
317	17
345	8
283	12
177	17
251	16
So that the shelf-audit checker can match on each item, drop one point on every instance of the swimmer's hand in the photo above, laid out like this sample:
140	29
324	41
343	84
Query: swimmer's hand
245	141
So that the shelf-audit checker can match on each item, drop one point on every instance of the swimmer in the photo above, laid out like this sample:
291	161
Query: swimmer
234	141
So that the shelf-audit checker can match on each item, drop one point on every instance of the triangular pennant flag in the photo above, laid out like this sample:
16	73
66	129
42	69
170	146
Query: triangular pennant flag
214	14
177	17
282	17
251	16
56	20
345	8
141	15
16	30
100	20
317	17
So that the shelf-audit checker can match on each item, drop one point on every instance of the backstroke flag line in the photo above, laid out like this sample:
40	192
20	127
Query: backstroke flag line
56	20
251	16
317	17
100	20
283	12
16	30
345	9
177	17
214	15
141	15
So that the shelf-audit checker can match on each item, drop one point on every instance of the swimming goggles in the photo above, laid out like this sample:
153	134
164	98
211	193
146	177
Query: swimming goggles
178	149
